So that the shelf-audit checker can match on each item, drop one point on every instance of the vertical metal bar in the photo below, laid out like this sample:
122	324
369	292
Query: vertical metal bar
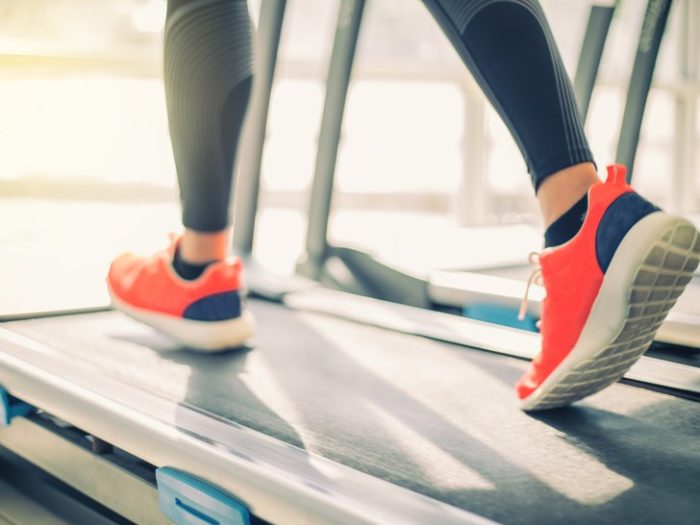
591	53
339	70
685	190
253	140
472	198
650	37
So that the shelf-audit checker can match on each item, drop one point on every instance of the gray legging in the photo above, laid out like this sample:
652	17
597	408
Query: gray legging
208	75
506	44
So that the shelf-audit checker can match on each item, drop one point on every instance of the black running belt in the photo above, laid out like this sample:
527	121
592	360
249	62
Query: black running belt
436	418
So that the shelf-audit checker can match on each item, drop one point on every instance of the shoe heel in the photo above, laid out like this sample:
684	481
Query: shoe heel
216	307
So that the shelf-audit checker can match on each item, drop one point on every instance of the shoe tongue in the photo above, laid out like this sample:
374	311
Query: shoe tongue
616	175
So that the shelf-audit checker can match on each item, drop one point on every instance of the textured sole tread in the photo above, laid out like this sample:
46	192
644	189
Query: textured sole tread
667	268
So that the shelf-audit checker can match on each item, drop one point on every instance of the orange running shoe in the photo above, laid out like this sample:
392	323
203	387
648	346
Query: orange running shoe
608	291
205	313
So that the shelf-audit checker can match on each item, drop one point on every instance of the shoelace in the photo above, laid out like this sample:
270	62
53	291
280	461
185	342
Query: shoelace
535	278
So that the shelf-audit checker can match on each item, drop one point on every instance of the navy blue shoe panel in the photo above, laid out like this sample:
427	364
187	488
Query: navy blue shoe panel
216	307
622	214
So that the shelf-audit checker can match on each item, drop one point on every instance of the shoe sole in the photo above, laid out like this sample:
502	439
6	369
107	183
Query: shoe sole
202	336
649	271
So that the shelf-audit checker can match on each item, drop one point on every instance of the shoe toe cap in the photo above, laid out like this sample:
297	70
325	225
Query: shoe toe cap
121	272
526	385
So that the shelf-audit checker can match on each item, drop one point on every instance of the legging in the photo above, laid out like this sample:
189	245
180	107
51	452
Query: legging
506	44
208	75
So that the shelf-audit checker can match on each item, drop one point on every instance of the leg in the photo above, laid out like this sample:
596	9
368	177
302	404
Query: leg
508	47
207	74
191	291
561	190
616	263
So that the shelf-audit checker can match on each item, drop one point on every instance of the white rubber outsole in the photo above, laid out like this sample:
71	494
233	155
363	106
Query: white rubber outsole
203	336
649	271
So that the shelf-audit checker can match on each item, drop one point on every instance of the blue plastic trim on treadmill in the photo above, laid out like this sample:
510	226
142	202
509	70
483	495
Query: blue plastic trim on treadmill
11	407
500	315
187	500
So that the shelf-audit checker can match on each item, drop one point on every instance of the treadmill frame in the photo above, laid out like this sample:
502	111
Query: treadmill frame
363	273
649	43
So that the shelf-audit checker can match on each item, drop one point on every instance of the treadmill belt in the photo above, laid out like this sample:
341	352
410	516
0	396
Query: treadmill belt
432	417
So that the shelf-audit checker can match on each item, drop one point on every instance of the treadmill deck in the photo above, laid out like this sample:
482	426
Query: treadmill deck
436	418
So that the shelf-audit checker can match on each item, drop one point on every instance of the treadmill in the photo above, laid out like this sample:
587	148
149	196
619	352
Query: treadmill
488	287
345	409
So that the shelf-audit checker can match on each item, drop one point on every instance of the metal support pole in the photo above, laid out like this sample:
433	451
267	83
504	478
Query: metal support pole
339	70
685	190
591	53
650	37
253	140
471	201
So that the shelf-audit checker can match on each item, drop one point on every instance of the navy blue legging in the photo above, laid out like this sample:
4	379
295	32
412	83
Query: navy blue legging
509	49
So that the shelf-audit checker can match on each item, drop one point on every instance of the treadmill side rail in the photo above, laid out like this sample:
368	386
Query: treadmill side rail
11	407
188	500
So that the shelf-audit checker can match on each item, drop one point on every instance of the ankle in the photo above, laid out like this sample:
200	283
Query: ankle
559	192
204	247
567	226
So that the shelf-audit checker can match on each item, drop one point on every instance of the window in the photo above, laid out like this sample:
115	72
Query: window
86	168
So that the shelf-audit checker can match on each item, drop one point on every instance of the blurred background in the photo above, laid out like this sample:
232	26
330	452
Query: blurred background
85	152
